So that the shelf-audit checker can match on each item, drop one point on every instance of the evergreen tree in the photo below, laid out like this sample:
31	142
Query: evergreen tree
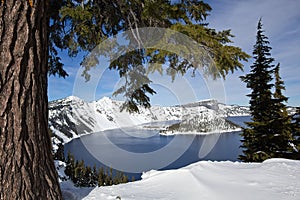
260	139
132	179
296	124
85	176
94	177
59	154
88	177
281	124
101	177
79	173
124	178
296	133
70	166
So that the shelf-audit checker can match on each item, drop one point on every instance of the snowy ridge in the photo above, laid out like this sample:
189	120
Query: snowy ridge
205	122
274	179
71	117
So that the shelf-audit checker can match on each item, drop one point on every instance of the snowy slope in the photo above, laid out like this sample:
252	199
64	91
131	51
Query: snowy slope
71	117
274	179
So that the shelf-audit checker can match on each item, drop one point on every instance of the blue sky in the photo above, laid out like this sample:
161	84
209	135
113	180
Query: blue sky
281	20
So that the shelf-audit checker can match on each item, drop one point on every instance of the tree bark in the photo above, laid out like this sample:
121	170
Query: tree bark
27	169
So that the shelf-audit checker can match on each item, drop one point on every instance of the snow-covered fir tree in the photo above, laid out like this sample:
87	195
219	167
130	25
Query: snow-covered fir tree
269	133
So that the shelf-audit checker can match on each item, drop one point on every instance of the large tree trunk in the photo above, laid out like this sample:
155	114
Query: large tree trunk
27	170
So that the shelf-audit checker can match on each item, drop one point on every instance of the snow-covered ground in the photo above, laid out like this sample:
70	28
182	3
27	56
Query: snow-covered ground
274	179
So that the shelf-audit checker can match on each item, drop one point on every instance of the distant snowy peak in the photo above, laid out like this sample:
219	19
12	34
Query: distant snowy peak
105	101
67	100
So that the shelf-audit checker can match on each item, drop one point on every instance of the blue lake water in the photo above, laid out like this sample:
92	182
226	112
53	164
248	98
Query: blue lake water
240	120
134	150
